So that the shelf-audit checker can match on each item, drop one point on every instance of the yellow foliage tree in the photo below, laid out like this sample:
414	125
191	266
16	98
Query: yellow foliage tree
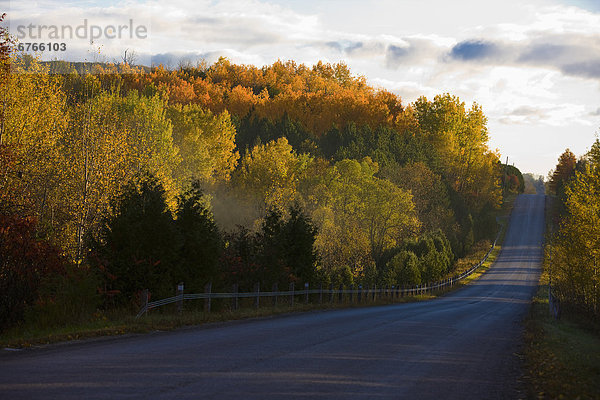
206	143
271	173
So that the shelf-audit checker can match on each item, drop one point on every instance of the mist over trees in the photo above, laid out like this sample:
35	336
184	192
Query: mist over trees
230	173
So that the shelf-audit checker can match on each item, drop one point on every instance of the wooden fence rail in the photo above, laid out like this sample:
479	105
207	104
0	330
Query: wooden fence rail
358	293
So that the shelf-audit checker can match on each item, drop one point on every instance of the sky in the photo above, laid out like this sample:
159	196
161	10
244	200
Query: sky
533	65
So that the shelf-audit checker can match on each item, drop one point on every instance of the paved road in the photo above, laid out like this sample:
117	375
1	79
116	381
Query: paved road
458	347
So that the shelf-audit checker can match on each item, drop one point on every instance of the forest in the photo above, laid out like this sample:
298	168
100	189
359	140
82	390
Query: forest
116	178
574	239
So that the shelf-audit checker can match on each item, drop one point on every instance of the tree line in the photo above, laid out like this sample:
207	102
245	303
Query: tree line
118	179
574	245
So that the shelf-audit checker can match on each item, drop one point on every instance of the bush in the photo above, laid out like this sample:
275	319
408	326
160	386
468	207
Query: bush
424	260
24	263
404	269
239	263
64	299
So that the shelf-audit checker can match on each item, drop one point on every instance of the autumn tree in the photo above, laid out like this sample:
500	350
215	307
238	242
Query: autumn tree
96	164
457	140
6	48
512	179
360	215
574	254
430	195
563	172
271	173
205	142
34	120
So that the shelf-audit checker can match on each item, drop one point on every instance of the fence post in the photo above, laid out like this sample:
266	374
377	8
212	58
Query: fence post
374	292
550	300
236	303
257	290
331	293
306	293
275	290
320	292
145	295
359	294
207	301
179	294
292	294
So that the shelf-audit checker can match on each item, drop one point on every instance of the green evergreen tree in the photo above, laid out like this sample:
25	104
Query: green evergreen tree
138	244
201	240
299	246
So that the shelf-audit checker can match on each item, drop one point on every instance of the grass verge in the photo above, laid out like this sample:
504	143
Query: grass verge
167	319
562	357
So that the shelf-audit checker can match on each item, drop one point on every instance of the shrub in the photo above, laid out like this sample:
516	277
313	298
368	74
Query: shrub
405	269
65	298
24	262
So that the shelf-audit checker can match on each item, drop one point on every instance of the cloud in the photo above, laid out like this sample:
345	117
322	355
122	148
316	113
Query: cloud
595	113
412	51
398	53
407	90
588	69
475	50
573	54
174	59
548	114
527	111
356	48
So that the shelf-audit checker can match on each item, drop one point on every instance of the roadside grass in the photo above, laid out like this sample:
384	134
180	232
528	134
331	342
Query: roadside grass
562	357
121	322
485	266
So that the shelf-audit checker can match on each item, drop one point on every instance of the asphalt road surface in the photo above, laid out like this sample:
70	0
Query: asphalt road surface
461	346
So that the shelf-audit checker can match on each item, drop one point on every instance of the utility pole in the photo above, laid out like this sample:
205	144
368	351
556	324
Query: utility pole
505	176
